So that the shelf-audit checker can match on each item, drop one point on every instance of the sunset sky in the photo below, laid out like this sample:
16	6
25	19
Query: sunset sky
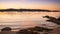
31	4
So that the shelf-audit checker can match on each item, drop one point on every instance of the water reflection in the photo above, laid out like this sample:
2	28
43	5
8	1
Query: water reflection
25	18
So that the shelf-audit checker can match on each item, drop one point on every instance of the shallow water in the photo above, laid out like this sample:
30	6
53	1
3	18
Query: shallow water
26	19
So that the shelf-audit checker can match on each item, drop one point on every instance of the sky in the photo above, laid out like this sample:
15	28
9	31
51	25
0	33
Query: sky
30	4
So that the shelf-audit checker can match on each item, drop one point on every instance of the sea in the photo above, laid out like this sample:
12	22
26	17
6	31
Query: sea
26	19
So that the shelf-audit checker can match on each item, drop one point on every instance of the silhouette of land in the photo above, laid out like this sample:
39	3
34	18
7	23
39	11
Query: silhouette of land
31	30
22	10
52	19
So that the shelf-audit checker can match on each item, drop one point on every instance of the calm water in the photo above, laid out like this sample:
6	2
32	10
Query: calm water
17	20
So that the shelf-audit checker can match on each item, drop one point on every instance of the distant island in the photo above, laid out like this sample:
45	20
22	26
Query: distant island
31	10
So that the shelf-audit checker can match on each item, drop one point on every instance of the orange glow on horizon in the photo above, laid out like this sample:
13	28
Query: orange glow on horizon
29	6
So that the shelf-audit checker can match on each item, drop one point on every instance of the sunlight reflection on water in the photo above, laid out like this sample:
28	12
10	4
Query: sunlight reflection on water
26	18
